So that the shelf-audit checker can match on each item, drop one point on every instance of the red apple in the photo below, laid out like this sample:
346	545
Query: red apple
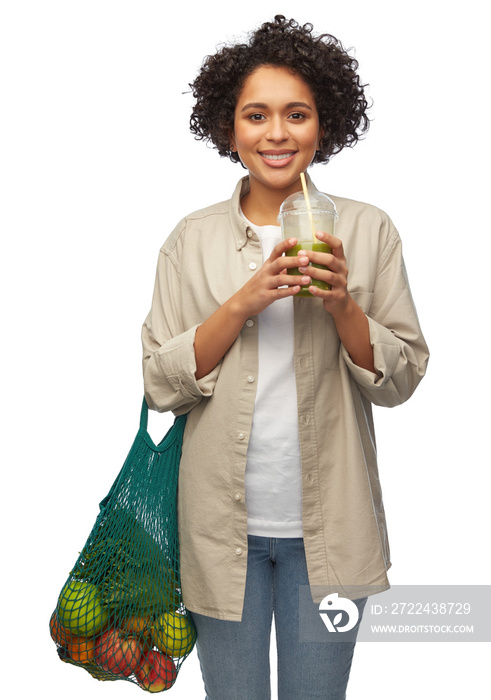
117	652
156	672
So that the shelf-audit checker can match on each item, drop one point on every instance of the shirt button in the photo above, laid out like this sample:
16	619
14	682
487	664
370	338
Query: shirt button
249	234
238	551
249	322
241	242
241	436
250	379
252	266
238	496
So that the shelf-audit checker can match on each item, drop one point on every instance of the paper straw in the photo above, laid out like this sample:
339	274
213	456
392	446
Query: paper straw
309	209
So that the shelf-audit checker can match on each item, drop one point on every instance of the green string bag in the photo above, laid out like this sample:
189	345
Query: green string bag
120	613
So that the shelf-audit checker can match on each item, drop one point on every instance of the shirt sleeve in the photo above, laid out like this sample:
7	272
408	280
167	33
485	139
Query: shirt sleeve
169	363
400	351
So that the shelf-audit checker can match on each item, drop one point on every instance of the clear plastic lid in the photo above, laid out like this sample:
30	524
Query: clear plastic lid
296	203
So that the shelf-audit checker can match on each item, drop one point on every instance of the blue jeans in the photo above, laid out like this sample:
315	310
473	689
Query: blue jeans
234	656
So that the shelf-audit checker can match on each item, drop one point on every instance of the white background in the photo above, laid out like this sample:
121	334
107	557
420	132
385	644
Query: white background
98	165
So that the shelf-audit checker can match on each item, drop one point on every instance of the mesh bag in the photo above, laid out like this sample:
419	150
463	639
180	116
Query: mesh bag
120	613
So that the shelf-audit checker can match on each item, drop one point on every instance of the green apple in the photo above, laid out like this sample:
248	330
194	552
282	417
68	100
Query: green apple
80	608
174	634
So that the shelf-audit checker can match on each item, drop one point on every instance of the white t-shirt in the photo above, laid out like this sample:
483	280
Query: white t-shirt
273	482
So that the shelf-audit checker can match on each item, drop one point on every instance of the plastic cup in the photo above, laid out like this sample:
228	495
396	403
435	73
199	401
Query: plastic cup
299	221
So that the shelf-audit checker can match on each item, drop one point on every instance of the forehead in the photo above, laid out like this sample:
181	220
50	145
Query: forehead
273	83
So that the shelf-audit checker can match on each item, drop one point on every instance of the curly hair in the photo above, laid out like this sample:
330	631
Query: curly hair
321	61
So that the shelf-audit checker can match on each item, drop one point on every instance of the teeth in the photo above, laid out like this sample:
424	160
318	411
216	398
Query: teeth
268	156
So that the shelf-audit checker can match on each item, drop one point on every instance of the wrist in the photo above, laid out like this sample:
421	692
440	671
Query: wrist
345	311
354	332
238	309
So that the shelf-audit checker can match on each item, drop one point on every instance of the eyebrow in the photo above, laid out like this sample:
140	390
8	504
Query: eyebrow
263	105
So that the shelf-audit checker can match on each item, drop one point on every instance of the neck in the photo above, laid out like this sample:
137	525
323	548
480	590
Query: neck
261	205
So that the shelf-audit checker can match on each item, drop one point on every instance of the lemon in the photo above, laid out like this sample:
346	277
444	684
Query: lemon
174	634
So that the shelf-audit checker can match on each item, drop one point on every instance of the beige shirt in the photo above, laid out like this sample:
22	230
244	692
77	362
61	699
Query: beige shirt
210	255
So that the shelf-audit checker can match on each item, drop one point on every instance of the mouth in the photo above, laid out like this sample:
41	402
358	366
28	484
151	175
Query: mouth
277	158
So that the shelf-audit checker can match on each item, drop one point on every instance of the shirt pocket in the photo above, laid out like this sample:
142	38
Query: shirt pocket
363	299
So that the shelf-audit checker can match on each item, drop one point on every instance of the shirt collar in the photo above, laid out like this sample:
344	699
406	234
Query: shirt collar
240	227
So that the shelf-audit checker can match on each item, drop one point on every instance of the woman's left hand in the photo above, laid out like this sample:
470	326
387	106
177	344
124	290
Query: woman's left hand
335	299
351	322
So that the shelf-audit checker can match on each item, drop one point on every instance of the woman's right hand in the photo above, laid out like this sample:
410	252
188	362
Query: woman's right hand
272	281
216	335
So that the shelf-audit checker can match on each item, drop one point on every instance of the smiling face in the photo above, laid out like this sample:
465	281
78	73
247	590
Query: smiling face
276	130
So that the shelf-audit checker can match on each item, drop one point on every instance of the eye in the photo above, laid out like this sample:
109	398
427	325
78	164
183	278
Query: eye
296	116
256	117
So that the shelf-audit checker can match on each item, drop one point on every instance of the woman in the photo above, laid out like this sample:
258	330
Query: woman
278	485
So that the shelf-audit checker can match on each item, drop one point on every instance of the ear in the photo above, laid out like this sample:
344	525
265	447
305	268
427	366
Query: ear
231	136
322	133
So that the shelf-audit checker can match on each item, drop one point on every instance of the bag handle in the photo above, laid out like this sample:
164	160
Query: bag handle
144	415
143	433
175	432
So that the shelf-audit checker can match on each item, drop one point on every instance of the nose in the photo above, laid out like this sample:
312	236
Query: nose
278	130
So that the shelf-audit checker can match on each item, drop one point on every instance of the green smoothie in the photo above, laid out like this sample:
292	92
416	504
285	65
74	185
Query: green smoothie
316	247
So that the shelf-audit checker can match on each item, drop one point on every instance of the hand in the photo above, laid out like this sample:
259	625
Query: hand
271	281
216	335
350	320
336	298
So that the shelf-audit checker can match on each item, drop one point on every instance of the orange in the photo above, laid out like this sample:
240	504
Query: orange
136	625
59	634
81	649
139	627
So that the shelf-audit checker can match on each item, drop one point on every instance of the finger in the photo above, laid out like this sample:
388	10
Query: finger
292	280
318	258
333	263
288	262
321	274
282	247
334	243
336	280
325	294
283	292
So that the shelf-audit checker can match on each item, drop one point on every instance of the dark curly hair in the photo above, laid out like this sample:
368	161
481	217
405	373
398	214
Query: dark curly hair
321	61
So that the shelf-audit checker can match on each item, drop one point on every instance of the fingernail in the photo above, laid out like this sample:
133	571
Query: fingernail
306	280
